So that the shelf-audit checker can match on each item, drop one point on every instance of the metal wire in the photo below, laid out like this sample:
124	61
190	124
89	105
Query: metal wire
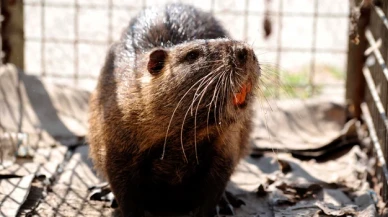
77	59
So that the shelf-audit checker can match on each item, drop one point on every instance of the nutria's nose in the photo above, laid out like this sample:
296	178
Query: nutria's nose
241	55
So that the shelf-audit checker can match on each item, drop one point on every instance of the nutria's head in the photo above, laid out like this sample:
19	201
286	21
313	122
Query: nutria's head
201	83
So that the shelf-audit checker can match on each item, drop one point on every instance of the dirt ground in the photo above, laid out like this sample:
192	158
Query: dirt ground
306	161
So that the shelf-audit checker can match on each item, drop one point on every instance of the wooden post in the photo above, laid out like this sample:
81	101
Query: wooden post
355	81
12	33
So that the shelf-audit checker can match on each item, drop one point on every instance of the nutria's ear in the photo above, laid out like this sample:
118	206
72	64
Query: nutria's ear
156	62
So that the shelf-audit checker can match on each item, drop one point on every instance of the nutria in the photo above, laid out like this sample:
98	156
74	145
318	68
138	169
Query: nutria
170	117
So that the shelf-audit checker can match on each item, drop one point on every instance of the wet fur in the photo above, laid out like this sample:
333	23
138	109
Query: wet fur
170	142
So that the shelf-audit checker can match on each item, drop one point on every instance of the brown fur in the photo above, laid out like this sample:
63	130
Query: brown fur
133	144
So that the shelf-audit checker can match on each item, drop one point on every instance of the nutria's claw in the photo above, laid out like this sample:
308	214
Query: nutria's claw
231	209
217	211
102	192
227	210
113	203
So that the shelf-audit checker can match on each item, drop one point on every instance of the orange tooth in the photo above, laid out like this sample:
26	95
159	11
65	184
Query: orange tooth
239	98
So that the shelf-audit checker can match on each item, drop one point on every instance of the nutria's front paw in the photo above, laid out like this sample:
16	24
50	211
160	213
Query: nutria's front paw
102	192
227	204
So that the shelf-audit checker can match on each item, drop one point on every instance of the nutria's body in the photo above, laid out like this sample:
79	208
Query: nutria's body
159	76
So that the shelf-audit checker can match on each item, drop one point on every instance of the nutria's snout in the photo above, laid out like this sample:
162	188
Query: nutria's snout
246	71
241	56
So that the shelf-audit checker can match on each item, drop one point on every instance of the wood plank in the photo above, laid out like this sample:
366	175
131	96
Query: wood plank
12	33
355	82
297	124
32	106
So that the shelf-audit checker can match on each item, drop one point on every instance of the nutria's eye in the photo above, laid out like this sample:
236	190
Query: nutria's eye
192	56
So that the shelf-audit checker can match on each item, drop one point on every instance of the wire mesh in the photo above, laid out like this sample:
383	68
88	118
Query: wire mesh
66	41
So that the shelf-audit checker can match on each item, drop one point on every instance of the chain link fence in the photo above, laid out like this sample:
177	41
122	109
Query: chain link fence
66	40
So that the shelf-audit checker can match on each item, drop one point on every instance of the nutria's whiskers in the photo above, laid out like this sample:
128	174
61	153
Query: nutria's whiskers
187	111
172	116
215	101
202	94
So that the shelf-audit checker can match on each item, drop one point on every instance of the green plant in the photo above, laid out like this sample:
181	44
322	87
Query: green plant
336	72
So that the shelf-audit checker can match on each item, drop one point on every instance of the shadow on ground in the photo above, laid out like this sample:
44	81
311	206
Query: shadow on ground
51	174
